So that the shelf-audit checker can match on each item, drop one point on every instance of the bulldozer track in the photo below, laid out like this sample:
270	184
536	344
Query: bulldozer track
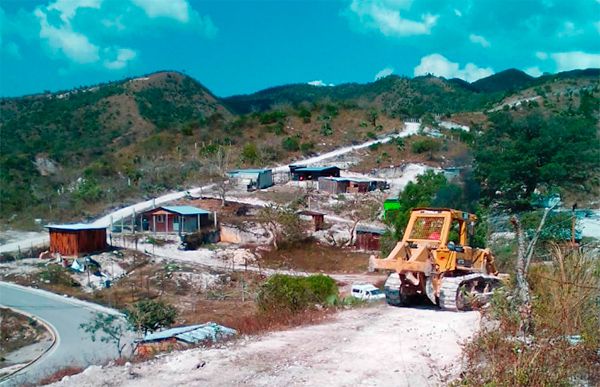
451	285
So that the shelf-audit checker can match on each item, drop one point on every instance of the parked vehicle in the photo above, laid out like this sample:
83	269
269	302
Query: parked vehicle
367	292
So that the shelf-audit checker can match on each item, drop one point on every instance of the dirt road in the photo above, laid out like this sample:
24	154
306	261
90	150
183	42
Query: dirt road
373	346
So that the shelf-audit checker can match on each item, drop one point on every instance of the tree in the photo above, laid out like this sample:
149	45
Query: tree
149	315
516	156
219	163
281	222
366	209
250	153
109	328
524	255
372	116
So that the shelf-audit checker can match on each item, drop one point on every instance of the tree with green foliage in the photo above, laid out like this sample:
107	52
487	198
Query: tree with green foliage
108	328
149	315
250	153
516	156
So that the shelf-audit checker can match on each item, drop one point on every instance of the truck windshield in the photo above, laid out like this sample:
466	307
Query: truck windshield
375	292
427	228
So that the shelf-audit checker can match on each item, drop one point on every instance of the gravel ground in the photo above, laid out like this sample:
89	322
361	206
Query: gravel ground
372	346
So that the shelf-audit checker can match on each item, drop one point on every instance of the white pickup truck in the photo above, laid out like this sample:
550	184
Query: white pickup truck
367	292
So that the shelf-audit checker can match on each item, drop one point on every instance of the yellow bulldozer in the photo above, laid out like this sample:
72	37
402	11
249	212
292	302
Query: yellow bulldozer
434	259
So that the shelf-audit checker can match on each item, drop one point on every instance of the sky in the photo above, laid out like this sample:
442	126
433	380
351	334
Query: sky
239	47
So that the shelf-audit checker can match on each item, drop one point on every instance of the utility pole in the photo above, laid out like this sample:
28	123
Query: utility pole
573	224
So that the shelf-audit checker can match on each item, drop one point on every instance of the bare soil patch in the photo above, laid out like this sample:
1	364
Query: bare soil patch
315	257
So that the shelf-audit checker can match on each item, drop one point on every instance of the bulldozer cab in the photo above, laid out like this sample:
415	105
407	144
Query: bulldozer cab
439	227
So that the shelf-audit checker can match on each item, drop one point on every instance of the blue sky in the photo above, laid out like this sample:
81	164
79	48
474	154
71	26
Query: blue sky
237	47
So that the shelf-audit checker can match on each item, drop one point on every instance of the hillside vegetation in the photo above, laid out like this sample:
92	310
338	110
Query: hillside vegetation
69	155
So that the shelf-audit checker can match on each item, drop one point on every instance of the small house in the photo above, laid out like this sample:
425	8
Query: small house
182	337
318	218
313	173
252	178
176	219
75	240
368	237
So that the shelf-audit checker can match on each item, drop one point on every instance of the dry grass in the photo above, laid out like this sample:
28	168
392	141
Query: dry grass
58	375
259	323
564	348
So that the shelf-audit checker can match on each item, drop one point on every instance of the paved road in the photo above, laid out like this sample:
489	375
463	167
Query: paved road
73	346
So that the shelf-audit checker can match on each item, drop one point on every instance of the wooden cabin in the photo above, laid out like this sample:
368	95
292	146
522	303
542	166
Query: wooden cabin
368	238
75	240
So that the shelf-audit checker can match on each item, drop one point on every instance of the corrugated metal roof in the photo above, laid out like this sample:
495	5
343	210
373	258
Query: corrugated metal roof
186	210
370	229
249	171
193	333
314	169
74	227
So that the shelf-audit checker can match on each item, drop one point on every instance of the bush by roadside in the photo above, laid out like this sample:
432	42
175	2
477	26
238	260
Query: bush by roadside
294	294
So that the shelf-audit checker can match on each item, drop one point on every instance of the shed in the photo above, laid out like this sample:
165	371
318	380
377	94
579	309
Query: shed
368	237
336	185
313	173
176	219
181	337
390	208
76	239
332	185
252	178
318	218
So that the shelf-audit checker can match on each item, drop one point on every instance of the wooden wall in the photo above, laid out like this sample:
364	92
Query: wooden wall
77	242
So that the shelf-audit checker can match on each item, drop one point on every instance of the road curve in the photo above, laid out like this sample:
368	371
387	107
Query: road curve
73	347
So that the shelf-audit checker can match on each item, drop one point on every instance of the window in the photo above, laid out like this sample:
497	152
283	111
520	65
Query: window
427	228
160	218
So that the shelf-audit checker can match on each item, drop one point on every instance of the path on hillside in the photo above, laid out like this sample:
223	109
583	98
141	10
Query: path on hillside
115	216
373	346
73	347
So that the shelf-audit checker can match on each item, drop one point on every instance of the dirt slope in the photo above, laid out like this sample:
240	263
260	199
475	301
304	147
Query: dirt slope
377	346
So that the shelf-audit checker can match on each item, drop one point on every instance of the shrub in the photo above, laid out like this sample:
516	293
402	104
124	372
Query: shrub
295	294
290	144
426	145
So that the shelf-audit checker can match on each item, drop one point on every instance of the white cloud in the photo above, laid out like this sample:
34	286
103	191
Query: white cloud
478	39
437	64
569	29
384	15
122	57
457	12
84	38
320	83
533	71
384	73
575	60
173	9
73	45
541	55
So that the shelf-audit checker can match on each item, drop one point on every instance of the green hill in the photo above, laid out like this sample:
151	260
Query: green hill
69	155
